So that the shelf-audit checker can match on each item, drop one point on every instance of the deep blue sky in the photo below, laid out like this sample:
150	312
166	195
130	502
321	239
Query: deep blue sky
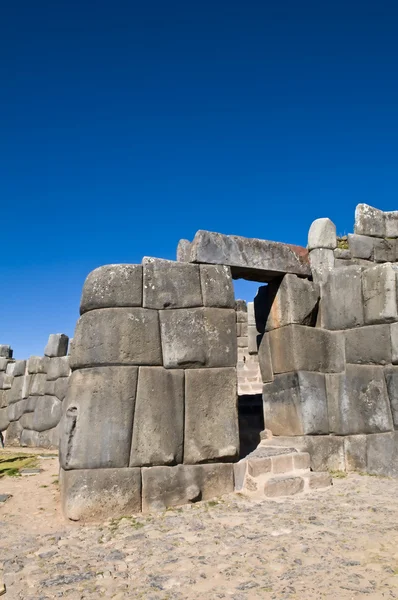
128	125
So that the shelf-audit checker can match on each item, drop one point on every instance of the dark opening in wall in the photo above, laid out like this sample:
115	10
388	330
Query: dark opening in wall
251	422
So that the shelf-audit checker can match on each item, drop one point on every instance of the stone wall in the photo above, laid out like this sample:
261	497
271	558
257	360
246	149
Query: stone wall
31	394
249	376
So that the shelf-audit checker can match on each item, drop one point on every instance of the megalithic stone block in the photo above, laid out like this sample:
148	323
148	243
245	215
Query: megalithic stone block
361	246
47	414
38	364
322	262
97	423
358	401
16	368
391	376
379	288
112	285
391	223
169	284
61	387
368	345
5	351
211	426
184	251
19	389
13	434
385	250
158	431
58	367
115	336
355	452
57	345
4	420
3	398
369	221
38	384
341	303
3	363
322	234
296	404
382	454
17	409
299	348
92	494
265	360
217	286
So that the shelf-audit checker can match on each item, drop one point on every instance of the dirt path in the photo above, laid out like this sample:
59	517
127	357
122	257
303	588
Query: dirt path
341	543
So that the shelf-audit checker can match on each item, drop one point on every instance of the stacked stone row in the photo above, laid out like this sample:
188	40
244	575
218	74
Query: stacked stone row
249	376
152	395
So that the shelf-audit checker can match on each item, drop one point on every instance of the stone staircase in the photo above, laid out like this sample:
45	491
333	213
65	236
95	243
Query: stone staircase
274	471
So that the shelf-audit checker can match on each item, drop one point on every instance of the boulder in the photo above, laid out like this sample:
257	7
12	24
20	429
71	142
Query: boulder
111	286
169	284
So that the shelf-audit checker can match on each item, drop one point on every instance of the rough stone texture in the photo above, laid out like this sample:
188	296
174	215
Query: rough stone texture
253	259
211	415
358	401
283	486
16	368
322	234
163	487
361	246
296	404
290	300
322	262
57	345
158	432
3	363
299	348
391	376
112	285
3	398
5	351
96	427
4	420
265	360
184	251
58	367
169	284
385	251
13	434
341	301
16	410
117	336
200	337
382	454
368	345
326	451
92	494
217	286
379	294
60	388
342	254
37	385
394	343
27	421
38	364
369	221
48	412
355	452
391	223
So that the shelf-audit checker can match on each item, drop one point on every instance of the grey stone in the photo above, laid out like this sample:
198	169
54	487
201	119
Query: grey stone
243	342
3	398
382	454
4	420
58	367
49	388
358	401
379	294
341	299
169	284
31	403
16	410
391	376
322	262
40	439
253	339
198	337
211	415
283	486
37	385
96	427
19	389
61	387
241	316
299	348
92	494
13	434
369	221
252	259
111	286
57	345
5	381
128	336
391	223
16	368
355	452
368	345
26	421
5	351
163	487
158	431
322	234
241	306
385	251
341	254
338	263
47	414
326	451
290	300
295	404
38	364
217	286
361	246
3	363
184	251
394	342
265	360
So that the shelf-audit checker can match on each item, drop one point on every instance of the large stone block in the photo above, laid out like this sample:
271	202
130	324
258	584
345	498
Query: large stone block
295	404
3	398
355	452
38	364
16	368
391	223
97	494
111	286
379	294
394	342
341	302
299	348
163	487
385	251
200	337
96	426
391	376
368	345
326	451
217	286
382	454
57	345
3	363
27	422
369	221
265	359
158	431
38	385
322	262
16	409
253	259
4	420
361	246
169	284
292	300
47	414
358	401
5	381
19	389
58	367
184	251
61	387
117	336
322	234
211	415
5	351
13	434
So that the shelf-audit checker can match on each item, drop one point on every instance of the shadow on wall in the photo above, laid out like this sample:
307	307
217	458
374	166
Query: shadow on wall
251	422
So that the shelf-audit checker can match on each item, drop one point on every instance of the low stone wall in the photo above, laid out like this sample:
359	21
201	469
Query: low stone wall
31	395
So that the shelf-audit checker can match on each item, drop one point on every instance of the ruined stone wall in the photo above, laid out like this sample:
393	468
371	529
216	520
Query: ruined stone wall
31	394
249	376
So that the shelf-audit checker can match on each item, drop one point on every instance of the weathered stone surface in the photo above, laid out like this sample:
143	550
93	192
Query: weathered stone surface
16	368
13	434
19	389
394	342
299	348
111	286
61	387
382	454
163	487
48	412
200	337
326	451
253	339
128	336
211	415
29	438
158	431
5	351
26	421
92	494
31	403
16	409
341	301
3	363
253	259
3	398
358	401
342	254
295	404
217	286
169	284
40	439
319	480
391	223
322	234
265	360
379	294
368	345
361	246
283	486
385	251
184	251
57	345
355	452
322	262
391	376
5	381
290	300
369	221
58	367
96	427
37	385
4	420
38	364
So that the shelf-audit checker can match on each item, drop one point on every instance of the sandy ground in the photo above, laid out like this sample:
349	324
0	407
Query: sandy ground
341	543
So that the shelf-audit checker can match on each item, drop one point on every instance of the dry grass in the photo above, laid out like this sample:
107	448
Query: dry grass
11	463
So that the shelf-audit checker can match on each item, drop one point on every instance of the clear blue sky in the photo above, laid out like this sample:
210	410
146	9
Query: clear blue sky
126	126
